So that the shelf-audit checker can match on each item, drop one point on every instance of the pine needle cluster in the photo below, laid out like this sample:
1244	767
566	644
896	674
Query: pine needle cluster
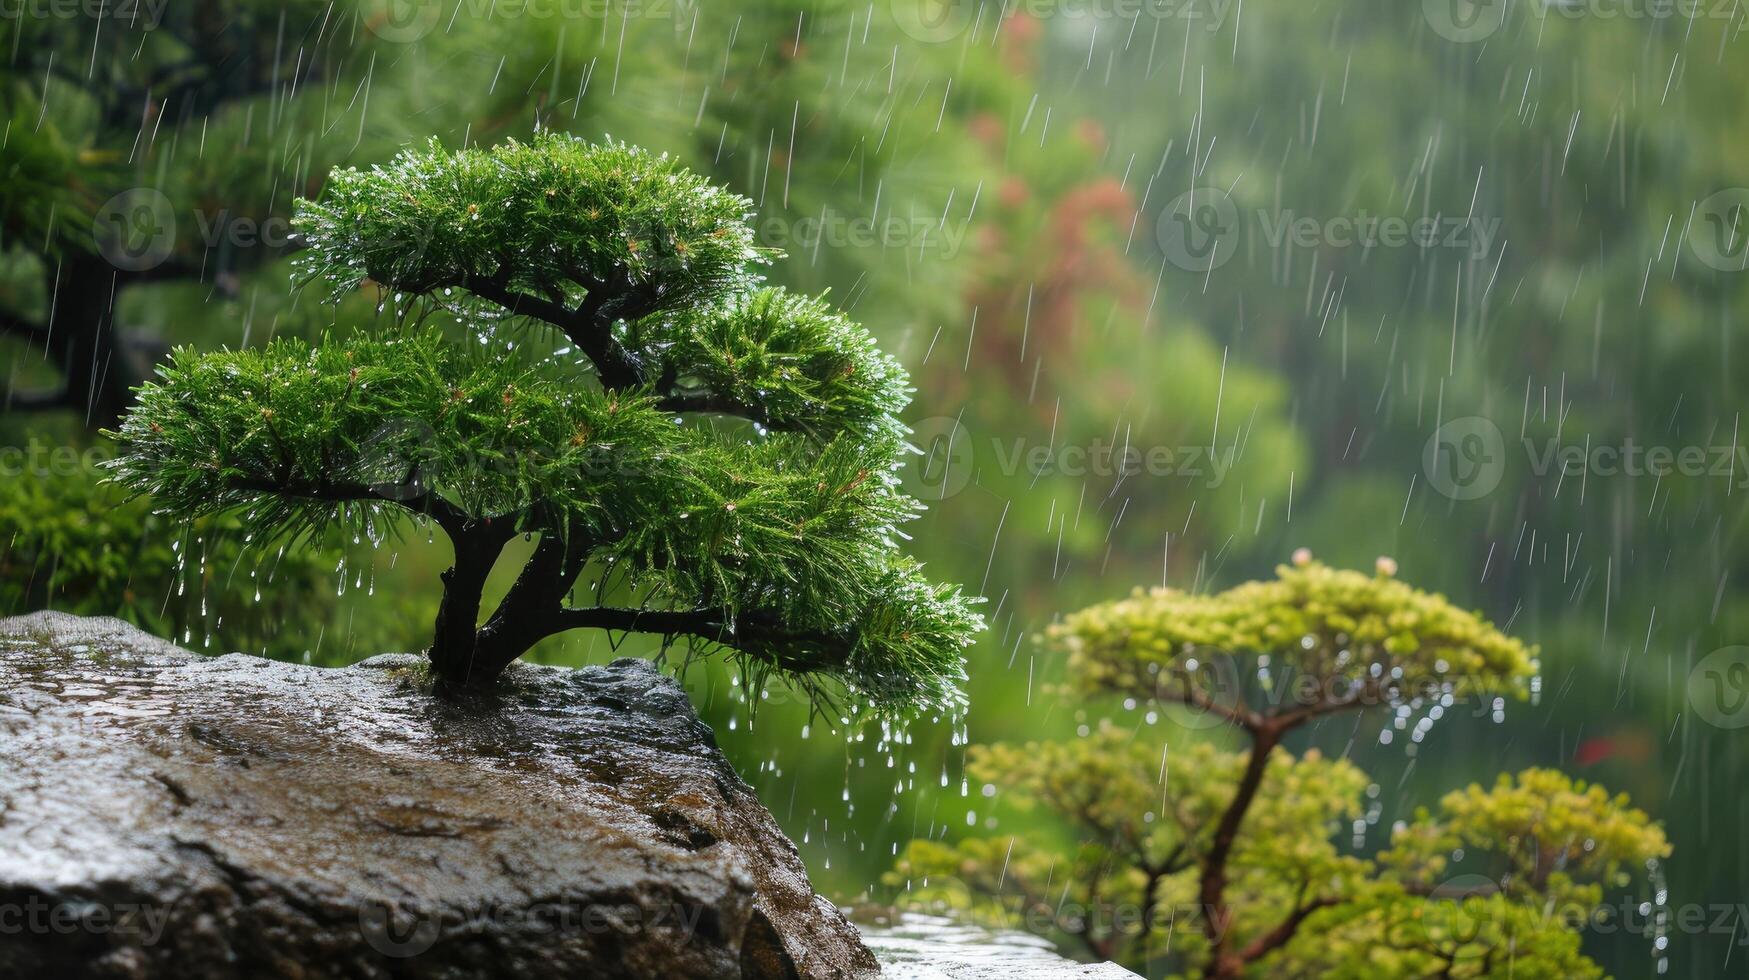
721	451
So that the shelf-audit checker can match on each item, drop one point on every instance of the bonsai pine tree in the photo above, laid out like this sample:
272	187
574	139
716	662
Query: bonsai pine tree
616	385
1228	858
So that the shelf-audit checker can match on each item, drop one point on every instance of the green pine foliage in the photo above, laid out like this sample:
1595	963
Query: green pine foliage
731	463
1188	859
546	220
1351	639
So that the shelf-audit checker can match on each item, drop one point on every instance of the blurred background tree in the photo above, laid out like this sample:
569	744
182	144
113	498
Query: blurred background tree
1228	859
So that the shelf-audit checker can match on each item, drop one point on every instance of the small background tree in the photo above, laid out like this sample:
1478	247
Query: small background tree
730	472
131	119
112	112
1229	859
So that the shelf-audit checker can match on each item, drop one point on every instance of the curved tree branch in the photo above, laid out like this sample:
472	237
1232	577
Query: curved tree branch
1216	916
1278	937
588	326
705	624
521	304
714	404
448	516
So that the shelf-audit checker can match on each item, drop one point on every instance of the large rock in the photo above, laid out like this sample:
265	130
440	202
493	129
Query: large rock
164	814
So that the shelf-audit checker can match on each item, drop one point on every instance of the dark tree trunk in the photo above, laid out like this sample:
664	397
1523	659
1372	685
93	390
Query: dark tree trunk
529	612
456	657
82	340
1224	964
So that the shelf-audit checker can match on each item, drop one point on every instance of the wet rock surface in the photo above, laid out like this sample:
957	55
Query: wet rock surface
913	946
165	814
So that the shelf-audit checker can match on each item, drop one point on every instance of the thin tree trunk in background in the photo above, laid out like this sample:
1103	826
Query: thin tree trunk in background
1216	915
82	341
